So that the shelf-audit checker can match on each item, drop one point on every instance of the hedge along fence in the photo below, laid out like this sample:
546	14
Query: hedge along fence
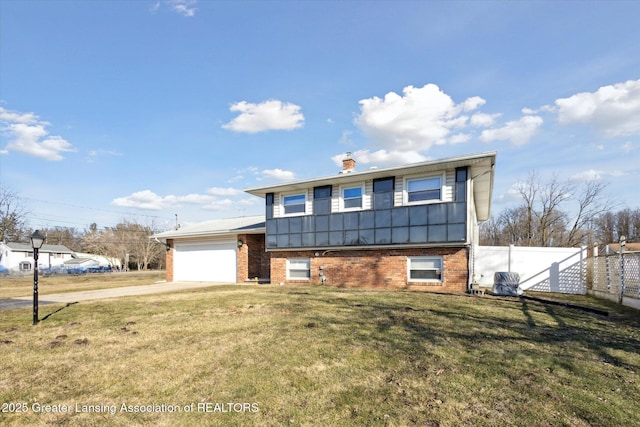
615	277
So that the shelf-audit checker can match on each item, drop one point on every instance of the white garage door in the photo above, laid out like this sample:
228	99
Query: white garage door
205	261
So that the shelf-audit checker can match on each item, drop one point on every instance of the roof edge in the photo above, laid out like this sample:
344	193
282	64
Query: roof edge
471	158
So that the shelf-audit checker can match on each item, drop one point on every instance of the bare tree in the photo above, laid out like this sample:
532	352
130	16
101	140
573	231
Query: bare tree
550	218
12	217
542	219
610	226
491	233
65	236
529	192
635	224
592	202
517	224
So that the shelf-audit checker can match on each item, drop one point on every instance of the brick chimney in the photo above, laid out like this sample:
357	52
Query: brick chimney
348	164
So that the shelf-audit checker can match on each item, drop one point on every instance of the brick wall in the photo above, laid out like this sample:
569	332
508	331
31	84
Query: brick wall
169	261
383	269
253	261
242	261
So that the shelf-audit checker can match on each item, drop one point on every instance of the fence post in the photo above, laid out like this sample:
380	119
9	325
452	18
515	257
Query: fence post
606	267
583	267
509	258
623	241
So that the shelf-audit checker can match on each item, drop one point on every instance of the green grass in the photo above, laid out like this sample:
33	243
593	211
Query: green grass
325	356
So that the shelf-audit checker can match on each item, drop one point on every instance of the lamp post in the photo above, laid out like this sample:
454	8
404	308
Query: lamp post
37	241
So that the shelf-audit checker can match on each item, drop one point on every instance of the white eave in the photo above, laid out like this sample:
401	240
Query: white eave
218	227
481	170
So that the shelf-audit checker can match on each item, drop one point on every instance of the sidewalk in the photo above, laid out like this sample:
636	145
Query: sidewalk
67	297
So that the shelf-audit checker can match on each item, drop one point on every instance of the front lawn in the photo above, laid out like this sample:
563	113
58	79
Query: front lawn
21	285
321	356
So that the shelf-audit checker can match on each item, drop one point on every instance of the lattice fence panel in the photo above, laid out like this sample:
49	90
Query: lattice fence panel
606	274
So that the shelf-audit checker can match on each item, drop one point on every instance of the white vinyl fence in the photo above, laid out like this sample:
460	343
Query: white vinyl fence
541	269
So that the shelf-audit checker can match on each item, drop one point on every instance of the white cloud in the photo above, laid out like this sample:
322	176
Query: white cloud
483	120
346	138
148	200
265	116
145	199
30	136
218	191
415	121
219	205
588	175
183	7
613	109
627	147
381	157
459	138
279	174
519	132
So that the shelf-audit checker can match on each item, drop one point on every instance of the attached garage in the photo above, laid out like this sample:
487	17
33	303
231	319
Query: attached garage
205	261
224	251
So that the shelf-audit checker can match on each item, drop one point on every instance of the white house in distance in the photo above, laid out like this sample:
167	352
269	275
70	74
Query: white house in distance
405	227
18	257
93	260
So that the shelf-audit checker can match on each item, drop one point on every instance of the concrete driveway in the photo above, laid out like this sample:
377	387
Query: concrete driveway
67	297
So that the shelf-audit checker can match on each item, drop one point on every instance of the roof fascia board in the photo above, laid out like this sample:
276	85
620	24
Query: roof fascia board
445	163
218	233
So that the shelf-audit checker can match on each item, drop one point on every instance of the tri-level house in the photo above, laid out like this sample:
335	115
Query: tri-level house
412	226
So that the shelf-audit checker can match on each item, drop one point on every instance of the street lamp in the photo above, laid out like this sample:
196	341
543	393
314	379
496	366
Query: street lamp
37	241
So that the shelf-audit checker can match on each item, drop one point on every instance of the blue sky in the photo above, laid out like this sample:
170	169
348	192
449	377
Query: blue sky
148	109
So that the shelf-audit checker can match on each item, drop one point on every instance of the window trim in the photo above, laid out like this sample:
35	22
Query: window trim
415	258
283	207
289	269
405	191
342	198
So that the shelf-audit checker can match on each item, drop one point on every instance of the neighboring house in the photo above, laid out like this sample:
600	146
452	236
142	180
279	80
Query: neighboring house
100	260
614	248
18	257
81	264
226	250
412	226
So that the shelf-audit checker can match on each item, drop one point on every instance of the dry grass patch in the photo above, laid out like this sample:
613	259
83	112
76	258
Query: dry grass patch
22	285
324	356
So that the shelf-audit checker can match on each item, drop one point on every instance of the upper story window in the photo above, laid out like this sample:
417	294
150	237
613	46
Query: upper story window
383	193
294	204
352	198
424	189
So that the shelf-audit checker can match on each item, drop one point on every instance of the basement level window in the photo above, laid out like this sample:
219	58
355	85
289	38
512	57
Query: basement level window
298	269
424	269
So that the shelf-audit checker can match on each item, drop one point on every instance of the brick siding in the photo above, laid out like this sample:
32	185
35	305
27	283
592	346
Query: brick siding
169	261
253	261
381	268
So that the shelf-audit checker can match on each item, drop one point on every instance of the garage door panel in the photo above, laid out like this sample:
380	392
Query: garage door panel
210	261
